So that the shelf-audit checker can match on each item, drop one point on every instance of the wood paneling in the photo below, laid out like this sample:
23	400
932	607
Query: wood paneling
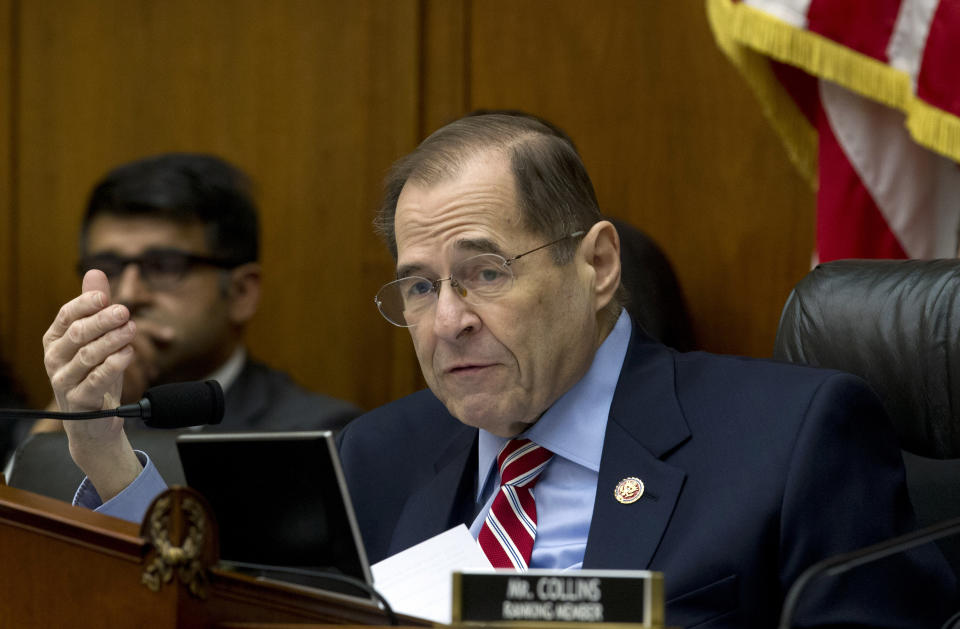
445	61
8	83
673	140
316	99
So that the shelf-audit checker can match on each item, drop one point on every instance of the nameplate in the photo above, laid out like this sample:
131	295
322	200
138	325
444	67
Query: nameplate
551	596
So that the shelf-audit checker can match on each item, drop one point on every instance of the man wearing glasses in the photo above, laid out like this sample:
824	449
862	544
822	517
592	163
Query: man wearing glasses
558	432
177	237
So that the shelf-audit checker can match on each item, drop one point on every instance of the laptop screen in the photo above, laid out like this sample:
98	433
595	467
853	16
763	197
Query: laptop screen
280	500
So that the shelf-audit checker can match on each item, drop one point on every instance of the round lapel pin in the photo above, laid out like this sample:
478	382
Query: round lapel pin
628	490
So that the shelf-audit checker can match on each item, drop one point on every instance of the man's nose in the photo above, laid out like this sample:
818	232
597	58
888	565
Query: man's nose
454	317
129	287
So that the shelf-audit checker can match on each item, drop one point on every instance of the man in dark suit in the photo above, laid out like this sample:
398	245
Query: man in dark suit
751	471
177	236
731	475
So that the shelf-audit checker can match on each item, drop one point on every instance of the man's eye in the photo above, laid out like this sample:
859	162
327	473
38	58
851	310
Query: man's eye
418	288
110	265
165	265
490	274
482	273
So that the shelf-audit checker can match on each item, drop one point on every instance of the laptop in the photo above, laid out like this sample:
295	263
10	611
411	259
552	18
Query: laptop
281	505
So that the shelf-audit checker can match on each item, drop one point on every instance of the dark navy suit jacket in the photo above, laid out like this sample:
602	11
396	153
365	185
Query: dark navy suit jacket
754	470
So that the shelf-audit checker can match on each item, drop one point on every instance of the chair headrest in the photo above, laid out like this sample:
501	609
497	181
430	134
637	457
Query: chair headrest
894	323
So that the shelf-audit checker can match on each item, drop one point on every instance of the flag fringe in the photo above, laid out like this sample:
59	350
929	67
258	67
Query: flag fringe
798	136
739	27
939	129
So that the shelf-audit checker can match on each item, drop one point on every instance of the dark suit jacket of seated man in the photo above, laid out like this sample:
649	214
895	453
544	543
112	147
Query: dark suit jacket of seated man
260	397
751	470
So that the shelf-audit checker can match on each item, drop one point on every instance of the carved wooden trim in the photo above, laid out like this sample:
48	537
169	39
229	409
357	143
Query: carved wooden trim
182	534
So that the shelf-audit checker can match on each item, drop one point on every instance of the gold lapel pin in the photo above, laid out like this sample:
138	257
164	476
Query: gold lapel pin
628	490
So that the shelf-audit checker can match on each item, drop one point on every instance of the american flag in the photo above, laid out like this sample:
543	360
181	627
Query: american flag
866	97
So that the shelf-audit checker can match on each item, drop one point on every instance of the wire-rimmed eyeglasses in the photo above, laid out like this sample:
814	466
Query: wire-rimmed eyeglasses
479	278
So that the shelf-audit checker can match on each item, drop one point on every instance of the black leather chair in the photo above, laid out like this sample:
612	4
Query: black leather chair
654	298
896	324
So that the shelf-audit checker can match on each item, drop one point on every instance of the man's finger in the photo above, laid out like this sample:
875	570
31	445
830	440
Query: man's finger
94	296
95	280
66	368
105	378
96	335
77	308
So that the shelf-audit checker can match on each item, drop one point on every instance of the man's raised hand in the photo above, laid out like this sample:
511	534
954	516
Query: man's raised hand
86	350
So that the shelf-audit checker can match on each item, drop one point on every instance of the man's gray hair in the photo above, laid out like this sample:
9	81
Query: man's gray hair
554	192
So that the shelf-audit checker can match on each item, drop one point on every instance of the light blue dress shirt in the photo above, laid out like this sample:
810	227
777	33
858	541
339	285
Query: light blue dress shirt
573	430
131	503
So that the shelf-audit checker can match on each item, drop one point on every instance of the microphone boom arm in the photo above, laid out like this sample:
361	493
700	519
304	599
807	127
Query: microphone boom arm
175	405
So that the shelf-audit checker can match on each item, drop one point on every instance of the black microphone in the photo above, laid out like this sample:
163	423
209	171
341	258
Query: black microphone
175	405
838	564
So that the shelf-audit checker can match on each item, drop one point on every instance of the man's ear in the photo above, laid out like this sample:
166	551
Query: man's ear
601	249
243	292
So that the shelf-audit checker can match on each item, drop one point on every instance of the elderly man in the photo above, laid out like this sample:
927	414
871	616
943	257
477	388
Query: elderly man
729	475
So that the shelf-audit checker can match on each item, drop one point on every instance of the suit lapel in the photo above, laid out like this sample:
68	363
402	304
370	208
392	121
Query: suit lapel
645	424
447	498
244	401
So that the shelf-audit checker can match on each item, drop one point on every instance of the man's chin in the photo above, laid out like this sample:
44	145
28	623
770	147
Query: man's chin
489	412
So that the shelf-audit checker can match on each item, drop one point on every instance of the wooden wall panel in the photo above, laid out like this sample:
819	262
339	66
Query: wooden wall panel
445	81
8	83
673	140
314	99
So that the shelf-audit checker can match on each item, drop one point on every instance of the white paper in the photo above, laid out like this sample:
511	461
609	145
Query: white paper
418	581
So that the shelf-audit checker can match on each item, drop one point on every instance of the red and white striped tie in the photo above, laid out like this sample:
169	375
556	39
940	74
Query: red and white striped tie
511	525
